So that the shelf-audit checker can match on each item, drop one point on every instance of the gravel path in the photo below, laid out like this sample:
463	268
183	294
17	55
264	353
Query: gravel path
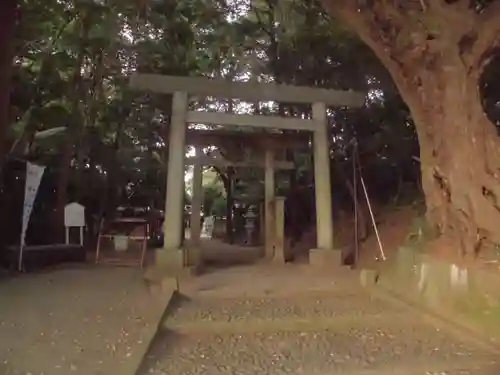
84	321
320	332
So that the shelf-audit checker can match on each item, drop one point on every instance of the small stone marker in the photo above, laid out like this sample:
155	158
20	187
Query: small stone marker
368	277
208	227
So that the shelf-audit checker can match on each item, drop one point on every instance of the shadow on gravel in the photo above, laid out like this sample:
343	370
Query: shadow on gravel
160	347
213	266
177	301
163	338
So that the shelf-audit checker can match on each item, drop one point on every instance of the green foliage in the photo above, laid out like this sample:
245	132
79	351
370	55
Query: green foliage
214	200
219	206
119	137
210	194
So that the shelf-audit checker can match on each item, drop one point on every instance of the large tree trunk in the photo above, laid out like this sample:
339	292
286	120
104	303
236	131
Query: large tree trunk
437	71
460	164
8	17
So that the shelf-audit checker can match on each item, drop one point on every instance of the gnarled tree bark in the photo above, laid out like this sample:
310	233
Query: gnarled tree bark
435	51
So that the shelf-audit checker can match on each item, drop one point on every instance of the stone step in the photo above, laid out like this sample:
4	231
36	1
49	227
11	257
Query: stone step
308	306
279	280
414	349
445	368
279	325
339	330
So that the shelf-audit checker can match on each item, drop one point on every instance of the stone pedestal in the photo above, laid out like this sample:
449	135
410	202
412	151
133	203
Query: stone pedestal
178	262
159	282
170	259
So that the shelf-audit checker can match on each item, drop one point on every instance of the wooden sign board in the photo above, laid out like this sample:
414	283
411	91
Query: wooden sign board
74	215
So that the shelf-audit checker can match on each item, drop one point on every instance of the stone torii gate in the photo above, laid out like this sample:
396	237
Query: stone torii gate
172	255
269	161
271	146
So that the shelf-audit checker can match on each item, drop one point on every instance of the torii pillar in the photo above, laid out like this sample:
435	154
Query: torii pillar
171	256
269	209
194	251
324	253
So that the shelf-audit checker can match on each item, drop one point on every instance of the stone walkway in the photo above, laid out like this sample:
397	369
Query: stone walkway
292	320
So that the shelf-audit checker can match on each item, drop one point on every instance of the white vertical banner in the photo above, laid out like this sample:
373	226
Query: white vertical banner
34	175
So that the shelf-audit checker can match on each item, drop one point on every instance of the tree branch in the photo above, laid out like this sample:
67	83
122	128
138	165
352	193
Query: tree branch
389	29
457	4
365	21
222	175
488	35
457	18
454	29
260	21
365	24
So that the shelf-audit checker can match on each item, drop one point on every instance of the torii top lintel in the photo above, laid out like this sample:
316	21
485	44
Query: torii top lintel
251	91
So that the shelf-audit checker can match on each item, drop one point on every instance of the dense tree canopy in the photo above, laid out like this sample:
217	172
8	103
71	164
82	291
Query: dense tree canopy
71	108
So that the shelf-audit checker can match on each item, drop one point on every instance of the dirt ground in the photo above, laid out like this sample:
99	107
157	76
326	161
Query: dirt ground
85	320
393	226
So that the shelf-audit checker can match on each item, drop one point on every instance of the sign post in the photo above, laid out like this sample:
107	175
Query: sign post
34	175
